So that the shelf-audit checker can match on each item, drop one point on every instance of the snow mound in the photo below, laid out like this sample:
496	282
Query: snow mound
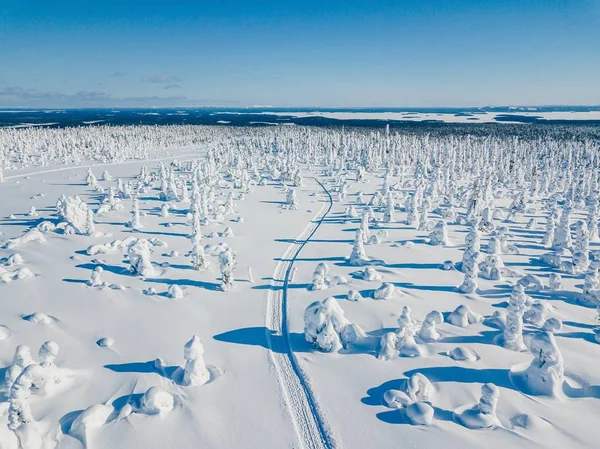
461	353
420	413
39	317
157	401
386	291
463	316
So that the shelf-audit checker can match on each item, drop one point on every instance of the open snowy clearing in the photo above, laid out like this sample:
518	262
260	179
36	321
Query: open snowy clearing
296	287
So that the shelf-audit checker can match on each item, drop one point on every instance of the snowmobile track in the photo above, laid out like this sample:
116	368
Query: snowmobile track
311	429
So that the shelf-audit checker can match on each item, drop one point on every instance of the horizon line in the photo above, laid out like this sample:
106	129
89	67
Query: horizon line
229	107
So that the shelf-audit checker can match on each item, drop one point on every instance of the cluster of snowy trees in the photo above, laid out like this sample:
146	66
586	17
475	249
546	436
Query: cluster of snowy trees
428	183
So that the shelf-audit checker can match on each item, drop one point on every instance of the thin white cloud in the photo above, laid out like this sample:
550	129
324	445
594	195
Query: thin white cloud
17	96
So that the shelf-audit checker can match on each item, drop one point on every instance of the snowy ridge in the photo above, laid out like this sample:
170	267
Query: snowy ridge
308	422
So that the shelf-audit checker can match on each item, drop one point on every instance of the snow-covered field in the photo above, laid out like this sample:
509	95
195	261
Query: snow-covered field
222	287
445	117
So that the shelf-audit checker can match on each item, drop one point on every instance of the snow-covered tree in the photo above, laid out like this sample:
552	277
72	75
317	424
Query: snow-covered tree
194	370
319	282
482	415
405	335
562	233
139	254
90	226
96	278
412	211
136	222
439	234
472	248
551	222
513	331
545	374
359	255
463	316
226	264
326	327
388	215
291	201
592	219
198	255
428	328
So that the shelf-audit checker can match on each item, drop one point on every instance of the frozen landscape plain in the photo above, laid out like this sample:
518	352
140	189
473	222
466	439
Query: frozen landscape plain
245	287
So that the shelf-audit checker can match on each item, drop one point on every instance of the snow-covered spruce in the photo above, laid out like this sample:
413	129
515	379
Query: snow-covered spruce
439	235
388	346
513	330
359	255
198	255
74	212
428	329
545	374
562	233
482	415
194	371
537	313
405	335
326	327
96	278
491	267
135	222
139	254
291	200
227	264
388	214
319	282
33	378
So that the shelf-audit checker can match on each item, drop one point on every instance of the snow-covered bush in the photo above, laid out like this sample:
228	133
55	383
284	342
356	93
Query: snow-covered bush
405	335
326	327
157	401
73	211
545	374
319	282
385	291
439	235
428	328
482	415
462	316
194	370
139	254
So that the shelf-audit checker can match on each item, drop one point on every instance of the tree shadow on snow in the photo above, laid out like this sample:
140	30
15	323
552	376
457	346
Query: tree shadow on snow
142	367
213	286
498	377
115	269
259	336
432	288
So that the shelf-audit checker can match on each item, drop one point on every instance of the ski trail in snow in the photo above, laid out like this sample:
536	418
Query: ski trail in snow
311	429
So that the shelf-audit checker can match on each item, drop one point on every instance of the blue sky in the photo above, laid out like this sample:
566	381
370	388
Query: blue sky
329	53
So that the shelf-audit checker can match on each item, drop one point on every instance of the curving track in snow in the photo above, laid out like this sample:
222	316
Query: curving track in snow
311	429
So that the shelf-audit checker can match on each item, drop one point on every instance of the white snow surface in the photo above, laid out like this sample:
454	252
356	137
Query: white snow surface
268	386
